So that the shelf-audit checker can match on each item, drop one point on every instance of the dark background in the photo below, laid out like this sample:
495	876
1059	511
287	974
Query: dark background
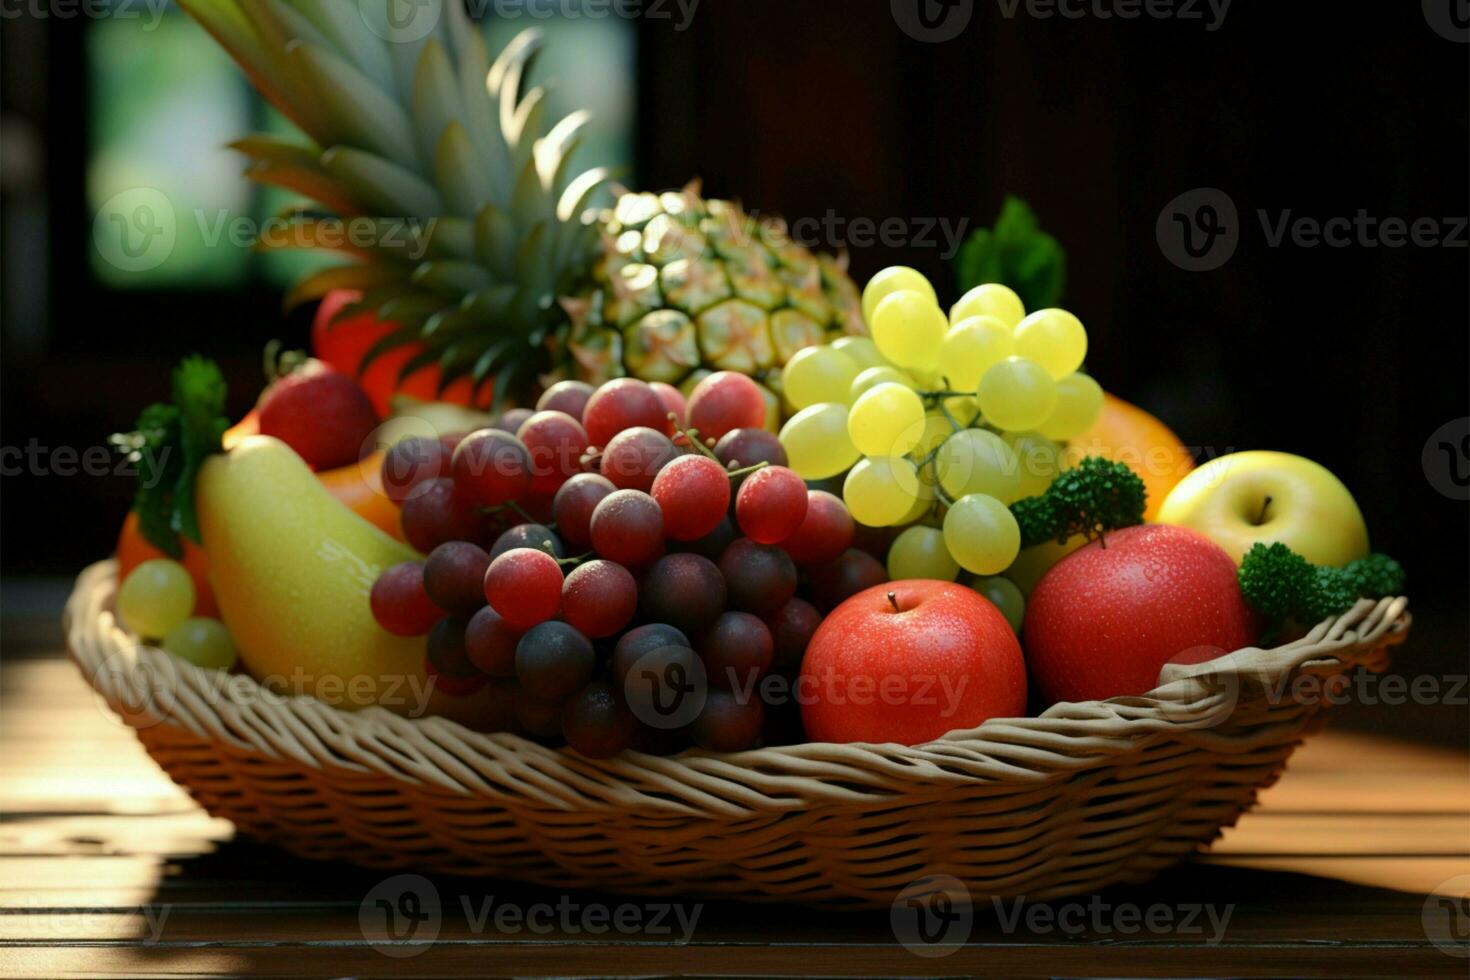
1352	356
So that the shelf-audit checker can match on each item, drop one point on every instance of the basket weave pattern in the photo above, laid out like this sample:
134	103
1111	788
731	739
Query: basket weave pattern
1083	796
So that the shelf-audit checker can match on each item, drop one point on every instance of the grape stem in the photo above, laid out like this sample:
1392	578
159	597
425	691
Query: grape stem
693	436
748	469
575	559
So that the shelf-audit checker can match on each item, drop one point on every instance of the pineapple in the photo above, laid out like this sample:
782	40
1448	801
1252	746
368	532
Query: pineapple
486	254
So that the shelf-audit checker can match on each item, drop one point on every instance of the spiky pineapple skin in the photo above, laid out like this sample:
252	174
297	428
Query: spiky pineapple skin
686	284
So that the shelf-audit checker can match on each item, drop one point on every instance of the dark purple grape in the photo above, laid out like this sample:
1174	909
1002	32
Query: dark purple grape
791	629
573	505
512	420
740	448
446	650
596	723
566	396
759	578
436	513
628	528
537	717
553	660
686	591
499	708
847	576
410	462
713	545
490	642
728	722
737	651
454	576
535	536
634	456
665	687
644	639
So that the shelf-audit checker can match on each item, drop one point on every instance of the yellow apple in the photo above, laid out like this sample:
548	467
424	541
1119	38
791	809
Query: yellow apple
1243	498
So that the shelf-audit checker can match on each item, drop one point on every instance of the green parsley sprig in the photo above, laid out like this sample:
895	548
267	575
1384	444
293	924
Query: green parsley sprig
1091	498
1281	584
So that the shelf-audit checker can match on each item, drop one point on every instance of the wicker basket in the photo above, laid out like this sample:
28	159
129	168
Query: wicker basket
1081	797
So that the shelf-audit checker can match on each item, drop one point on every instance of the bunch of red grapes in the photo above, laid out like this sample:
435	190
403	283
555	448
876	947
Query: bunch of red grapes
599	564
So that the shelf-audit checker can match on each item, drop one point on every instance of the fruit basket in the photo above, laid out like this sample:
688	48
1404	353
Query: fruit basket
1083	796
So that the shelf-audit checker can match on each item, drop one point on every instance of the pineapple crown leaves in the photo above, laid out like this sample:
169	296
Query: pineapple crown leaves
435	167
1015	252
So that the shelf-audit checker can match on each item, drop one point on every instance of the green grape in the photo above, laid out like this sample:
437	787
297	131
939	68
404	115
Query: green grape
816	442
936	429
880	490
872	377
818	374
908	327
861	349
203	642
1039	460
982	534
1005	595
978	461
1017	394
886	421
891	280
971	347
155	597
1055	339
1079	403
923	500
919	552
989	299
964	409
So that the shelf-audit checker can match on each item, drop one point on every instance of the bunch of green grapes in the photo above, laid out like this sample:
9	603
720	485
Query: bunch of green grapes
941	421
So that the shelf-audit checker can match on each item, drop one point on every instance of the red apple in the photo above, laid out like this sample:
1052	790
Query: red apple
319	412
1104	620
908	661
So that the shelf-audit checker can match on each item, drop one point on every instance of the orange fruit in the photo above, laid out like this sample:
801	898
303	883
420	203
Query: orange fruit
133	549
1127	434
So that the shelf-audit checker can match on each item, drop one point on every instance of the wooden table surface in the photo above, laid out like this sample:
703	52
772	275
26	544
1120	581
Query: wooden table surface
1356	863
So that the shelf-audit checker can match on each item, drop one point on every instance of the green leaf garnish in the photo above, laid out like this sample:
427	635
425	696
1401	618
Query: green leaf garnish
1281	584
1091	498
1015	252
171	442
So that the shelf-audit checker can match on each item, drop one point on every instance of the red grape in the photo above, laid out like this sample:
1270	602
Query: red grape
556	442
438	512
825	532
694	493
565	396
524	586
791	628
537	536
634	457
409	462
597	723
746	447
737	651
850	574
599	598
686	591
728	723
723	401
573	505
553	660
771	504
399	602
628	528
759	578
538	717
674	404
622	404
490	643
512	420
454	576
491	467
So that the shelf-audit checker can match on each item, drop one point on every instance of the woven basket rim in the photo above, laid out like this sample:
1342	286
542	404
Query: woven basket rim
1192	703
